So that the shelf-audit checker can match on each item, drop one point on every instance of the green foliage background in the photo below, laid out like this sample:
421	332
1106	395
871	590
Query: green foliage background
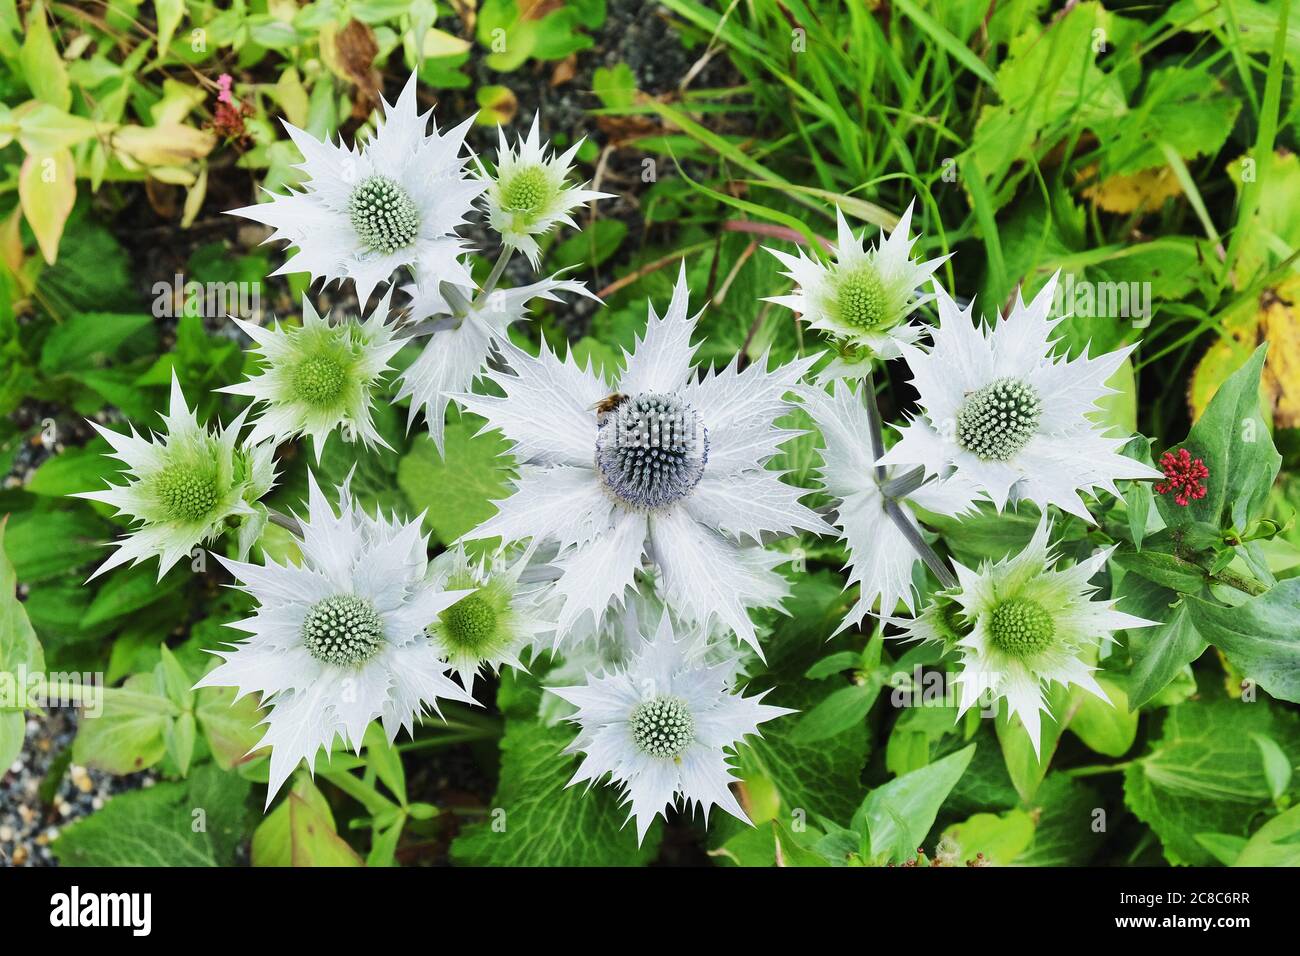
1149	143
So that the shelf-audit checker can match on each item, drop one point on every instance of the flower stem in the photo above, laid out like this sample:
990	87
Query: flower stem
900	487
927	553
891	490
874	424
498	268
288	522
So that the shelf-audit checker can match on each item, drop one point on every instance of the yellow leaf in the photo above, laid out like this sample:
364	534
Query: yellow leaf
194	198
167	144
1273	318
441	43
43	128
47	188
497	105
1146	190
291	96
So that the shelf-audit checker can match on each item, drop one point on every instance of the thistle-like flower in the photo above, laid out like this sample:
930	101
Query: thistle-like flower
494	623
1007	416
364	212
339	640
318	376
453	357
184	487
881	560
863	299
661	729
666	464
1021	623
530	193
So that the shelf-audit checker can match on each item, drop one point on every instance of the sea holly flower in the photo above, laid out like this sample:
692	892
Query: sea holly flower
863	298
185	487
318	376
453	357
530	192
1022	623
1183	477
881	560
1002	412
493	623
364	212
666	463
338	640
661	729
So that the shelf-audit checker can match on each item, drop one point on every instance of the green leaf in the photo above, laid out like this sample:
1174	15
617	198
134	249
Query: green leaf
895	818
49	544
999	838
1276	844
1066	831
130	733
21	656
229	726
1233	440
1277	766
1206	774
535	820
1260	637
843	709
1164	569
42	67
822	777
274	837
197	823
1159	653
457	491
1026	764
74	470
127	592
1107	728
1222	847
88	339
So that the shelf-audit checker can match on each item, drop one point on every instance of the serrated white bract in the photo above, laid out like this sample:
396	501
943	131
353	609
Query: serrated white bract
863	299
318	376
529	193
183	486
1027	624
1005	415
499	619
881	560
661	729
453	357
339	640
366	211
589	479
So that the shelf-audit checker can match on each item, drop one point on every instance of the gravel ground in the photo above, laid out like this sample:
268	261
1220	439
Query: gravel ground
42	791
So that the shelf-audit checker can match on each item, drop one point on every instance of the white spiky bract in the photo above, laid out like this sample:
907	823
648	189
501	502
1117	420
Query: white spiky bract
504	616
895	278
345	554
881	560
318	376
1078	627
549	411
230	474
453	357
429	167
1068	451
549	198
662	668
